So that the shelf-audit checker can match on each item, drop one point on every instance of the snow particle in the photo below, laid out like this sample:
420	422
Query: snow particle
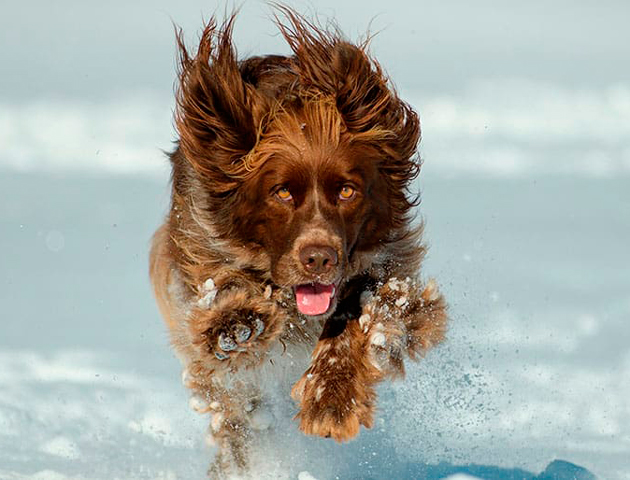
261	419
209	285
363	320
378	339
186	378
402	302
205	301
61	447
55	241
198	404
305	476
217	421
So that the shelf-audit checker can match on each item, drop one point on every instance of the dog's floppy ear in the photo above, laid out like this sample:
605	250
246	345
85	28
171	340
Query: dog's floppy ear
371	110
214	116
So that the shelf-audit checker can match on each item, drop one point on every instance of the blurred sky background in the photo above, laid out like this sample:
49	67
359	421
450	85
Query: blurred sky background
87	86
525	111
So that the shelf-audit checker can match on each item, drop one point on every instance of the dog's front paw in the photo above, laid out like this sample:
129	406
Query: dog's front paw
333	408
237	329
403	316
336	394
234	335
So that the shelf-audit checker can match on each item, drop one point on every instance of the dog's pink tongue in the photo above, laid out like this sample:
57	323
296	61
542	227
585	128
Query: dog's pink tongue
313	299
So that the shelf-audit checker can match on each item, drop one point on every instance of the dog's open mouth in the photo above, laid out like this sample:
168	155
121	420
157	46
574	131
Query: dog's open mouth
314	298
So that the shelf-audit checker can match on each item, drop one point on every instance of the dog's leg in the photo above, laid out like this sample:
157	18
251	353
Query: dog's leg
238	417
337	392
230	332
232	430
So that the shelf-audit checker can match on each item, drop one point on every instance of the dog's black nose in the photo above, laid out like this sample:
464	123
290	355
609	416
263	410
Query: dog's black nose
318	259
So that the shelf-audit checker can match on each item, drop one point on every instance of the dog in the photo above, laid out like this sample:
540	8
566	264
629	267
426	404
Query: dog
289	239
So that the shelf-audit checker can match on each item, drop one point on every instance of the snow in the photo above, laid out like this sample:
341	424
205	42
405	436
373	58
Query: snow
208	292
61	447
305	476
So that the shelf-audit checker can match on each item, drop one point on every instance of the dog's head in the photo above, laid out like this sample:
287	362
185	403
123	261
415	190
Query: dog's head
306	158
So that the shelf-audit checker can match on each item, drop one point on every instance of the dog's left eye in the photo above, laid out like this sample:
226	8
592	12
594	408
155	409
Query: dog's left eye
347	192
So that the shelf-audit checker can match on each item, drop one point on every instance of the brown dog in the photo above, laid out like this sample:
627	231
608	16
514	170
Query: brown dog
289	235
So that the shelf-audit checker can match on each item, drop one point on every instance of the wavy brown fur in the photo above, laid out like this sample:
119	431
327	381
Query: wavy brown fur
226	261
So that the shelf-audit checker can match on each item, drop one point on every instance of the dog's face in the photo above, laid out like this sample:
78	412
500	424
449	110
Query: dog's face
305	159
315	201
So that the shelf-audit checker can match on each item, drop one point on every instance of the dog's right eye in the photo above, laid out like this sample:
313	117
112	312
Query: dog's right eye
284	194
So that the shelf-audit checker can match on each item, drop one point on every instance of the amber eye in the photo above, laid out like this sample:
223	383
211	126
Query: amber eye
284	194
346	192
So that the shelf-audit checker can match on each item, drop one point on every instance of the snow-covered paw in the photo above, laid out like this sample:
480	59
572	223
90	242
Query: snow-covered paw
236	337
403	317
237	330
